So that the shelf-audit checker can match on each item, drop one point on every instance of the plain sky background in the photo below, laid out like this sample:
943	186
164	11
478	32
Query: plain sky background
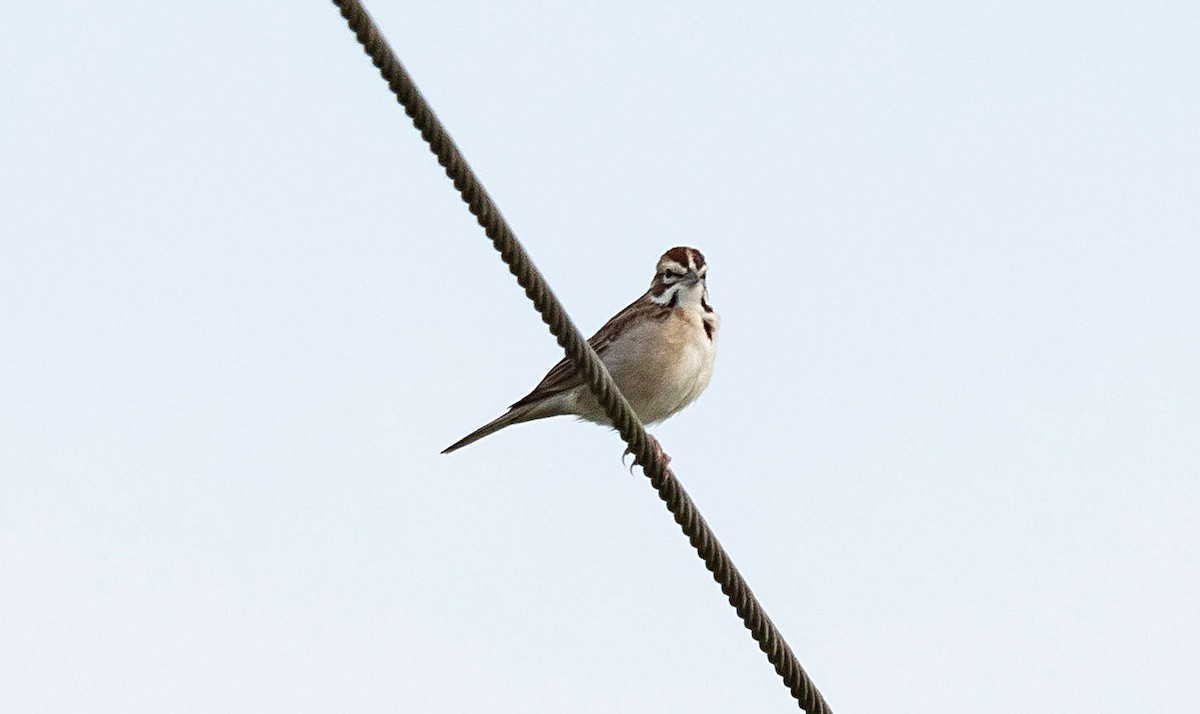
952	441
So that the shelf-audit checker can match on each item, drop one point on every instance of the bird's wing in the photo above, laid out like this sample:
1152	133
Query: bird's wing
564	377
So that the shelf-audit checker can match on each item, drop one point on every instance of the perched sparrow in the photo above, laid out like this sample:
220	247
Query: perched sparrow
659	350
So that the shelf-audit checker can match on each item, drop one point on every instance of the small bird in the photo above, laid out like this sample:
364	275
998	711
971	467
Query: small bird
659	349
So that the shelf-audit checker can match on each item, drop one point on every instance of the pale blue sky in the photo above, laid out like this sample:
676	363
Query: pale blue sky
952	441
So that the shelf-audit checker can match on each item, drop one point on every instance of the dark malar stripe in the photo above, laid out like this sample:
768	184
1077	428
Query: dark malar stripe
708	329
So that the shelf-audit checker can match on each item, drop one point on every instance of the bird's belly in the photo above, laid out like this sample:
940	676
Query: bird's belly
660	369
664	376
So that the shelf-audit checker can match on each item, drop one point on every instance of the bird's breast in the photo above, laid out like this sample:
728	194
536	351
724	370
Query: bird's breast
662	366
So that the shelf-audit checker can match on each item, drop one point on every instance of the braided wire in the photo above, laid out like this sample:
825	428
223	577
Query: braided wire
584	358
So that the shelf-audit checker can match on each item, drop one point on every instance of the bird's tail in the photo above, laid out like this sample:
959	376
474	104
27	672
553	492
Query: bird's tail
513	416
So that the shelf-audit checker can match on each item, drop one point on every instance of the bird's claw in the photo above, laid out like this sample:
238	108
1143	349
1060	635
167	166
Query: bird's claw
658	450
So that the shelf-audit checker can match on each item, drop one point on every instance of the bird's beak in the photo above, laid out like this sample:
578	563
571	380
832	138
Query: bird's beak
692	277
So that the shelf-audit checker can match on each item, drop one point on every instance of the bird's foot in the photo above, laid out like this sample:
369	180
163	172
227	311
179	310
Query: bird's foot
658	450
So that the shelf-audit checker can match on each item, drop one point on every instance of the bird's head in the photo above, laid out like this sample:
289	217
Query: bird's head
679	278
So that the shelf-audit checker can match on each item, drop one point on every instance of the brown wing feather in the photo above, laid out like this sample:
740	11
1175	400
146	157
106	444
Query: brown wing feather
564	377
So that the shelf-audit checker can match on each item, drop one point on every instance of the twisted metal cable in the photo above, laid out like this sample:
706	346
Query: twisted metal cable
585	360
